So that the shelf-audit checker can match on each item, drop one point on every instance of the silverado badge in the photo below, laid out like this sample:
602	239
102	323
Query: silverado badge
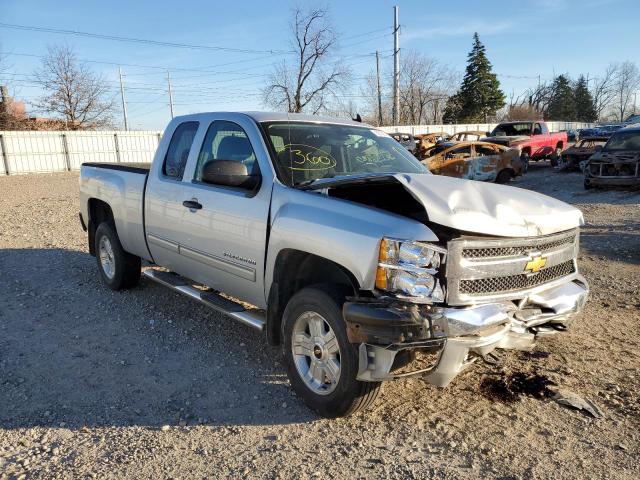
535	264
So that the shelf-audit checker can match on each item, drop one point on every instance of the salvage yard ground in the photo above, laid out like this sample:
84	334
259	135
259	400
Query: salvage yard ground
146	384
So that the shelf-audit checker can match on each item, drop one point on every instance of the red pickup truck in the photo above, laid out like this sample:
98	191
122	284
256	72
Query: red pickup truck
532	139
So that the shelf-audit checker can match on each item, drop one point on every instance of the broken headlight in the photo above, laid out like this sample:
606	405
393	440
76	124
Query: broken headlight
410	270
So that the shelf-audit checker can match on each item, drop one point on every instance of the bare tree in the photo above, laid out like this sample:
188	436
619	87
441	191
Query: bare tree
307	83
625	83
603	90
424	87
73	92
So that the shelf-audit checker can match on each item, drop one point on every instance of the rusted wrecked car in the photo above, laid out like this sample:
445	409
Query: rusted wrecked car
467	136
573	156
407	140
617	163
427	141
482	161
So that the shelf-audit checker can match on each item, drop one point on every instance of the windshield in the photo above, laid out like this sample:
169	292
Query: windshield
511	129
624	141
305	152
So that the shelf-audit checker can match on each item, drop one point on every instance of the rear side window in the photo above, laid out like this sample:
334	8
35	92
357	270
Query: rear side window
178	151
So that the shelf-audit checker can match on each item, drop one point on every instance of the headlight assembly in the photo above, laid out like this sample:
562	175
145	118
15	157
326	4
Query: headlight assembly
409	270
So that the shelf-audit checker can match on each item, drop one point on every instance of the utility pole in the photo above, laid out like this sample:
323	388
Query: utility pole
396	66
124	103
379	92
170	94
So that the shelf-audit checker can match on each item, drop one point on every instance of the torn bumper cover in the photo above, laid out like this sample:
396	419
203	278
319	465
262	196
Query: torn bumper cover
458	335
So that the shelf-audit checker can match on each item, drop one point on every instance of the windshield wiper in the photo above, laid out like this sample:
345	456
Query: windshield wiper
307	183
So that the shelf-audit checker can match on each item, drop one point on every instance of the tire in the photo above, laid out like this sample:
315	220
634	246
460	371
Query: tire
556	157
118	269
587	185
318	310
525	158
504	176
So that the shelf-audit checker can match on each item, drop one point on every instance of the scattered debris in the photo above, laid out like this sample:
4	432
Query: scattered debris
573	400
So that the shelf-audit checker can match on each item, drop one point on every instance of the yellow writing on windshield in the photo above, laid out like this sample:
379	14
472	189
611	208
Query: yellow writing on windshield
313	159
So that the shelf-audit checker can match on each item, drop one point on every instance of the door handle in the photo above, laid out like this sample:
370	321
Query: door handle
192	204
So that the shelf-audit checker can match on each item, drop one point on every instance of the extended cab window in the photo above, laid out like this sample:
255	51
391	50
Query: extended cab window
178	151
226	141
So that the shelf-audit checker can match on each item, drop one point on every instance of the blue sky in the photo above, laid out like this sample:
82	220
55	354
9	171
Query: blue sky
524	39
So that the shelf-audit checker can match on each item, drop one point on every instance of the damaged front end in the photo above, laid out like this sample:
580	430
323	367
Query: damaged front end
613	169
500	293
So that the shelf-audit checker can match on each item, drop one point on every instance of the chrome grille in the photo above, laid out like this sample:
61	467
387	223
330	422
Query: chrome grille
481	269
513	283
516	250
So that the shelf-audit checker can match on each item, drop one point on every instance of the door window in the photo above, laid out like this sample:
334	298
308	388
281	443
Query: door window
226	141
178	151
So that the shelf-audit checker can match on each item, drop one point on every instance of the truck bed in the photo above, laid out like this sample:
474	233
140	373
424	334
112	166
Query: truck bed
121	186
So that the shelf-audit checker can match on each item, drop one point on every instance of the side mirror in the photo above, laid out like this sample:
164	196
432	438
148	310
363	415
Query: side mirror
229	173
488	134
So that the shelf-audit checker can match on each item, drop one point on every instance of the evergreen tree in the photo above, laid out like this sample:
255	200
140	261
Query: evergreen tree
479	97
562	104
452	110
585	106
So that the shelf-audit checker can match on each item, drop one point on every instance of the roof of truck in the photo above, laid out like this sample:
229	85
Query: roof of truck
298	117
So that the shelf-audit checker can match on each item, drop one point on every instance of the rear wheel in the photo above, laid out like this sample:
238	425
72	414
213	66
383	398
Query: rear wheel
525	158
118	269
321	363
555	158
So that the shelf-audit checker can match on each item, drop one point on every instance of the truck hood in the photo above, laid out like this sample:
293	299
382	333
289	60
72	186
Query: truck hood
505	140
488	208
478	207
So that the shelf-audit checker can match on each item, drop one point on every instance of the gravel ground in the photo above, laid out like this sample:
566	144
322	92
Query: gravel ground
147	384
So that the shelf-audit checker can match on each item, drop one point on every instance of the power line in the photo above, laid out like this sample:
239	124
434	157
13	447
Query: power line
191	46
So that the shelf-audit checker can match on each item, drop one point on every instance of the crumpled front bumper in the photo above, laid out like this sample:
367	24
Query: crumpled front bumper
458	335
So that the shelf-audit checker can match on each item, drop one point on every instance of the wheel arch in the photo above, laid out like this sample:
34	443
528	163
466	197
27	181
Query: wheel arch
294	270
99	211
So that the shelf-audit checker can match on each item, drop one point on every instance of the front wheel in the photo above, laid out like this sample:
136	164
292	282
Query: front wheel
321	363
503	176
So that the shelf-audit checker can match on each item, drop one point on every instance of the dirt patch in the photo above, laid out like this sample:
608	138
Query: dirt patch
148	384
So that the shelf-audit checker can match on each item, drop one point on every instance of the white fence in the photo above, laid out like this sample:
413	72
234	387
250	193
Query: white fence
482	127
33	152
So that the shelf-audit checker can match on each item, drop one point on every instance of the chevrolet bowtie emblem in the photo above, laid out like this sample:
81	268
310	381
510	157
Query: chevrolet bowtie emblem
535	265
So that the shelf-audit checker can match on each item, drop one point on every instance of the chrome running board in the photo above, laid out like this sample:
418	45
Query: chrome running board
254	318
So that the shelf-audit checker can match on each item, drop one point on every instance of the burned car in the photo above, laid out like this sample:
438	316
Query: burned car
482	161
467	136
407	140
427	141
617	163
573	156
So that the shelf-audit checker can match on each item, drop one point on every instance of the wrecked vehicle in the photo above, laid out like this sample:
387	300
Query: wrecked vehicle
338	244
406	140
617	163
467	136
573	156
532	139
426	141
482	161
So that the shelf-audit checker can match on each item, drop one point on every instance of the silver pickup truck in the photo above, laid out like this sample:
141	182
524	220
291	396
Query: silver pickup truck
333	239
